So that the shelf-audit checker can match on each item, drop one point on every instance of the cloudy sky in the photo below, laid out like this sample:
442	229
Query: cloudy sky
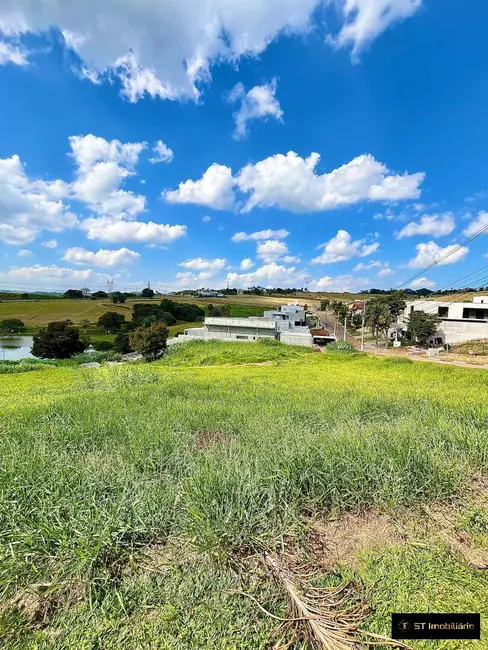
338	144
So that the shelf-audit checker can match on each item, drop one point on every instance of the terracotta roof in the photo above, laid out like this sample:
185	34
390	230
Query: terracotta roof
320	333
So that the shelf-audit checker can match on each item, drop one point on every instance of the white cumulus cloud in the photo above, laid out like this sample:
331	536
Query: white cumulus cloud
103	257
260	235
340	283
291	183
430	252
50	277
213	190
365	20
342	247
50	243
29	206
201	264
269	275
422	283
163	153
164	48
481	221
24	252
436	225
259	103
113	230
246	264
271	250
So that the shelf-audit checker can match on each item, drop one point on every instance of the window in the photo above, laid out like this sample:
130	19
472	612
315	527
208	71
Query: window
466	312
480	314
443	312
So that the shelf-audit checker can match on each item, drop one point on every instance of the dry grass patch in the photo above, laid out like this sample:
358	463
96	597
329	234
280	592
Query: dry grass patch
345	539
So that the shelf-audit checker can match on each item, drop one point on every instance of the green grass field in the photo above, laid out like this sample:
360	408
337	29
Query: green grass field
36	314
136	501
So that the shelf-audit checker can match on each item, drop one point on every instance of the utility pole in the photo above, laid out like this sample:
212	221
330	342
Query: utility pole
362	326
345	323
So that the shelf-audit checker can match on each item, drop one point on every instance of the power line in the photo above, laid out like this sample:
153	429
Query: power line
457	248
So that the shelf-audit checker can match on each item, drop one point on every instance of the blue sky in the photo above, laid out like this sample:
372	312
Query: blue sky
339	145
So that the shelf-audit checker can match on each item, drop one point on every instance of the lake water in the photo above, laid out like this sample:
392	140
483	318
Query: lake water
15	347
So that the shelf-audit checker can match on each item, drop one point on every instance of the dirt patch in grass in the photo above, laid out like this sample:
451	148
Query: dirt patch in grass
209	438
40	607
460	526
345	539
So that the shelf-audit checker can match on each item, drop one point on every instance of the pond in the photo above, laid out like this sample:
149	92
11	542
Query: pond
15	347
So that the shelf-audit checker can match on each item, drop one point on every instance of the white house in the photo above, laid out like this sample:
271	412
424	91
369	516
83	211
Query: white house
234	329
285	324
460	321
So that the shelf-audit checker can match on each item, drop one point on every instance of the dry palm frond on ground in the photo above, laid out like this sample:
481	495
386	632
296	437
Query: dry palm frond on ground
319	617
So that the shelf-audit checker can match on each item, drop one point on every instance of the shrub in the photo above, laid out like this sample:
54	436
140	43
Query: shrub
269	341
122	344
96	357
60	340
12	325
341	346
150	341
102	346
24	365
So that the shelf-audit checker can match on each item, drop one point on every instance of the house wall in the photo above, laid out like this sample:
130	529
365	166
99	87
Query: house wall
454	327
302	339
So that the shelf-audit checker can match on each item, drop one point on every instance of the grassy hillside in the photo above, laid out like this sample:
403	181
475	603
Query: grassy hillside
38	313
136	501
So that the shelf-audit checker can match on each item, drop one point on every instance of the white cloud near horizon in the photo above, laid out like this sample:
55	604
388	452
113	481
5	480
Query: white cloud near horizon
166	48
50	277
422	283
342	248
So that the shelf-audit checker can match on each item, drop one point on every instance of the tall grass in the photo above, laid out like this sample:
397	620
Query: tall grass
116	459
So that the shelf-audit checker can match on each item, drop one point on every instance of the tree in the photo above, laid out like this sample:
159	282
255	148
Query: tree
226	310
150	341
210	309
13	325
59	340
396	303
147	293
167	318
118	297
379	318
74	294
122	344
99	294
421	326
324	305
340	309
111	321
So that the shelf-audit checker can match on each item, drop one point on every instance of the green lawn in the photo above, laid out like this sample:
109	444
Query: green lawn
136	499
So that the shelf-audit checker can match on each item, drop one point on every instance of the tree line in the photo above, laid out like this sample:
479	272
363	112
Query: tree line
381	314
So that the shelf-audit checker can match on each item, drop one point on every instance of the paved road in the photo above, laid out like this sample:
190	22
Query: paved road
329	319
